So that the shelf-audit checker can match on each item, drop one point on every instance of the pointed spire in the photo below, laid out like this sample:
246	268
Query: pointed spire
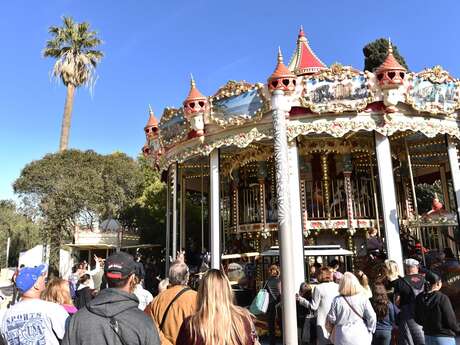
194	93
152	122
281	71
280	55
301	32
390	63
304	60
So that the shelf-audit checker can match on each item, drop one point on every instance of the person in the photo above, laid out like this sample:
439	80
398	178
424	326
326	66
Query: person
32	320
374	244
143	295
140	265
334	266
163	285
386	313
73	281
306	321
273	285
98	275
84	293
364	281
217	320
433	310
406	290
351	317
16	294
323	295
58	291
113	317
169	309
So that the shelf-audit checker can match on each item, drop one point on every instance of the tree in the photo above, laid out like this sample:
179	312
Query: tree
376	52
147	214
74	46
73	188
22	231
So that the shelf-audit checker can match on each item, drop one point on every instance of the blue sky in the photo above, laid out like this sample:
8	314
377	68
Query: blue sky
152	46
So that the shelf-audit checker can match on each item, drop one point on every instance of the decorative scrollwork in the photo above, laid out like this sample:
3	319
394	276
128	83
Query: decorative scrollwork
233	88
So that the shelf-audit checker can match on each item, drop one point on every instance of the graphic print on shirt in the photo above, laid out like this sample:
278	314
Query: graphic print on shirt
26	329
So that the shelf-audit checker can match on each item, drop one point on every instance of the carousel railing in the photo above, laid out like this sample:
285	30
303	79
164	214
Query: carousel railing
249	204
317	195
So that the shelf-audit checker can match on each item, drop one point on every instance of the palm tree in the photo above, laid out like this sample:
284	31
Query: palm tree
74	47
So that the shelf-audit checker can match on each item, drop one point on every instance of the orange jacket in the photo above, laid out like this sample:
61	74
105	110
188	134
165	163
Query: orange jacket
182	308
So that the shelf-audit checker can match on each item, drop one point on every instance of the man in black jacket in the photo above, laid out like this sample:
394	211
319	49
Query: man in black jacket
113	317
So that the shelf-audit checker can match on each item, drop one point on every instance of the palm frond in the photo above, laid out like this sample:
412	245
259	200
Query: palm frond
73	46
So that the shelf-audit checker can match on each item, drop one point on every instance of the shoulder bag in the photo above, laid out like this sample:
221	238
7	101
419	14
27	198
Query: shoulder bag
170	304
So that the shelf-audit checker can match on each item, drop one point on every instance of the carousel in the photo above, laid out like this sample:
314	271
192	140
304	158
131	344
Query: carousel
315	155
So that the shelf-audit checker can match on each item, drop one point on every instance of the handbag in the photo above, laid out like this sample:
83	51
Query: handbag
330	327
259	304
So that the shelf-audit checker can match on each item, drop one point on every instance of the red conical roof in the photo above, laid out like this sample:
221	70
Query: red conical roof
194	93
281	71
304	60
152	122
390	63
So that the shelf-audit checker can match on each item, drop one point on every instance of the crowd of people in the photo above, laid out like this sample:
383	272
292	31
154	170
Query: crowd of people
345	310
109	305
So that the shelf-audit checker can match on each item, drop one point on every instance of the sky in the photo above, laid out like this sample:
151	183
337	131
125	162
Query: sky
151	47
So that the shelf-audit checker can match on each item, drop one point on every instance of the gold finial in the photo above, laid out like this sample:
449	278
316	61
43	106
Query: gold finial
280	55
192	81
150	109
390	46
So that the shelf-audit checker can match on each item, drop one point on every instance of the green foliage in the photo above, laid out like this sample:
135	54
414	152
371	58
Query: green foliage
23	232
425	194
376	52
73	188
74	46
148	213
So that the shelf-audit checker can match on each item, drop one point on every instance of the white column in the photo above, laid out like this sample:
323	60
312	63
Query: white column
296	214
214	195
174	209
454	171
387	192
285	233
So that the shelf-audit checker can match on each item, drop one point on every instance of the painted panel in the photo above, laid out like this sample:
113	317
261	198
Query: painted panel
238	103
325	95
173	127
425	95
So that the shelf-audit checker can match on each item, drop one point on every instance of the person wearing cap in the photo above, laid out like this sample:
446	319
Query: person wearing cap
433	310
32	320
113	316
169	309
406	289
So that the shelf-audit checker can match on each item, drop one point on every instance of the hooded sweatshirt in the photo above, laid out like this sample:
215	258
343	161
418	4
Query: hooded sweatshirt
434	312
92	324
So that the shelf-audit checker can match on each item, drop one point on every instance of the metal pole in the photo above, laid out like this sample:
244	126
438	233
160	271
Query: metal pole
168	220
174	210
182	208
202	208
214	203
374	191
414	197
387	192
285	232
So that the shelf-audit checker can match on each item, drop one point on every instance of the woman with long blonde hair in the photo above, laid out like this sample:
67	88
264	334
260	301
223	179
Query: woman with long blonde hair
218	321
58	291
